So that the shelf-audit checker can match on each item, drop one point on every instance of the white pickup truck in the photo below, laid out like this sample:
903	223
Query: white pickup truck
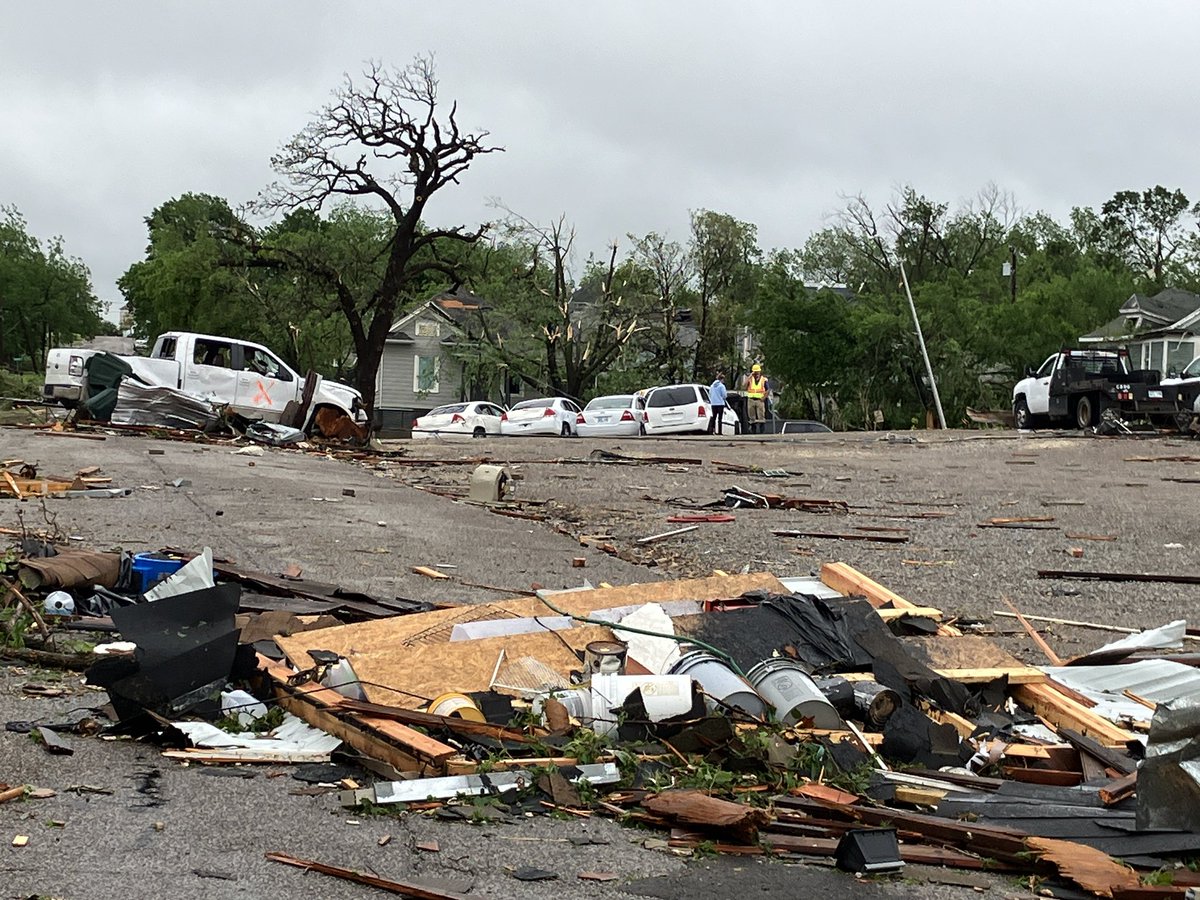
247	377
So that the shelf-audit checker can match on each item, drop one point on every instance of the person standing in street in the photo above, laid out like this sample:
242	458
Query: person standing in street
756	388
717	396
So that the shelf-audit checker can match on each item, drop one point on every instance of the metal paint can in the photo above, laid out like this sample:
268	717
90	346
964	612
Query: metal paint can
455	705
605	658
874	702
721	685
789	689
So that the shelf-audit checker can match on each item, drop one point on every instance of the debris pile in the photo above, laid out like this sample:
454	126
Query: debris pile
822	716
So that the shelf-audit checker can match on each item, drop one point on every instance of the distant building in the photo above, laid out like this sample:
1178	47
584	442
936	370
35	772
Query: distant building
1161	332
433	356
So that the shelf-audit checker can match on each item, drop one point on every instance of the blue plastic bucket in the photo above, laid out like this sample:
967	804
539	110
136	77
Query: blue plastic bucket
151	568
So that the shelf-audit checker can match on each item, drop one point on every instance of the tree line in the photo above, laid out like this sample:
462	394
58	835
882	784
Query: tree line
347	250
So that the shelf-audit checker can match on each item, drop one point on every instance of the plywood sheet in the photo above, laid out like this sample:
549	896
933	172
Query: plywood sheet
435	626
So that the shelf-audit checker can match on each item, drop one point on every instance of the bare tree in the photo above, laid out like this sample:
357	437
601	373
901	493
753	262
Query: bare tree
667	265
385	141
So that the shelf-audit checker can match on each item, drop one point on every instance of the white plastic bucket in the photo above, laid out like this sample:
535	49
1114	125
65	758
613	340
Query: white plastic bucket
578	702
790	690
662	695
720	683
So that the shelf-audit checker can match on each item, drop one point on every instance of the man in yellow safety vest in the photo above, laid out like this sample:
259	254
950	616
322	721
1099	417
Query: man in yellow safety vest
755	388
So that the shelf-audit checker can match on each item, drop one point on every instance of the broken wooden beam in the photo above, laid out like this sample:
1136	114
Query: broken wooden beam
1063	712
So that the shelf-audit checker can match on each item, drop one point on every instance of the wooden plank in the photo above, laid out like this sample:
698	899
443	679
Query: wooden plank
428	572
916	612
1023	675
1055	659
1118	789
1063	712
12	485
380	738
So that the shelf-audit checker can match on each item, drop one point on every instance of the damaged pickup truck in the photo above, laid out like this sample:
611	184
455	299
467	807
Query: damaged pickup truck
245	377
1074	387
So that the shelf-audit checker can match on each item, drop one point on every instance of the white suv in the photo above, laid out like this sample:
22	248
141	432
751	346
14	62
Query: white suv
684	408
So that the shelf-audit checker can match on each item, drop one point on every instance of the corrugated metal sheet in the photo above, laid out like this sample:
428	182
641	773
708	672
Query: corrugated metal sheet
1157	680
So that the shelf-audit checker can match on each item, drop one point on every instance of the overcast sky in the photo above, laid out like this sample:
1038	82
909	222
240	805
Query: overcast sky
622	115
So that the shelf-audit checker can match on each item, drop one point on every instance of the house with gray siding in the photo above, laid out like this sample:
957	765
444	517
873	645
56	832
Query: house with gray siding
434	356
1161	331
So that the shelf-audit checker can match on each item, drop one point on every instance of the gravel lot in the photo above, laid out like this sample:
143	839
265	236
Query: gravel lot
131	843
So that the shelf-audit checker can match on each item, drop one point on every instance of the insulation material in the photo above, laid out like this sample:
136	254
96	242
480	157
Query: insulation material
655	654
1168	789
294	740
1165	637
196	575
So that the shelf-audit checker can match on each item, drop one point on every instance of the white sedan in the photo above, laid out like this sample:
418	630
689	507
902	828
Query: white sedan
619	415
547	415
477	419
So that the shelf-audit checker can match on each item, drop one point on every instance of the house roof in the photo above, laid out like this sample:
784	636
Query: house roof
1118	329
1167	306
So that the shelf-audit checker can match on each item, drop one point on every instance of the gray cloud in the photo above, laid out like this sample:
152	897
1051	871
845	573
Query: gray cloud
623	115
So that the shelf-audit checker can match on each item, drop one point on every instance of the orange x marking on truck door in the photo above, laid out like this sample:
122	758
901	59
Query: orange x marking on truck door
263	397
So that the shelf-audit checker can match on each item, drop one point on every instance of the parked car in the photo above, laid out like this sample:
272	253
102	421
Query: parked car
618	415
546	415
682	408
477	419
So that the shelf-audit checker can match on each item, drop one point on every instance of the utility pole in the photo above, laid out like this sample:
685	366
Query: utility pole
1012	271
937	400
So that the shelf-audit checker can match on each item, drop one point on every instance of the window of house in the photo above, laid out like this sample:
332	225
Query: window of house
208	352
425	374
429	329
1156	355
1179	354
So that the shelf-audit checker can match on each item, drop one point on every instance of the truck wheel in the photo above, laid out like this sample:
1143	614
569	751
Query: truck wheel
1084	412
479	432
1021	417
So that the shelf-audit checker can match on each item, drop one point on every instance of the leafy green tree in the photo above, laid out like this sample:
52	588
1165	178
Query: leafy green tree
724	257
46	296
1150	231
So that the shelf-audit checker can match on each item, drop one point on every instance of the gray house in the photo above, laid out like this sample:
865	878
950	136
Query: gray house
433	356
1161	332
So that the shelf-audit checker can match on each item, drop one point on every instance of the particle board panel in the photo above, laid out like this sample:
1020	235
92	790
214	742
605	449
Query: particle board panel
971	659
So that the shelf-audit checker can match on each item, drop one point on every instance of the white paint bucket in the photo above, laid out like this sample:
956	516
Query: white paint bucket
663	696
721	684
790	690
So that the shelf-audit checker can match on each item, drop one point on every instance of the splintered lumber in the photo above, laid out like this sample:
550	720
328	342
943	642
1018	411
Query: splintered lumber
403	888
1018	520
849	581
428	572
1082	536
1055	659
1091	869
738	820
1111	759
1118	789
380	738
1063	712
1119	576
